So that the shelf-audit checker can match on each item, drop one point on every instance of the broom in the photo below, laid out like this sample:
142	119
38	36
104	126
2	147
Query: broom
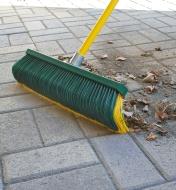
87	94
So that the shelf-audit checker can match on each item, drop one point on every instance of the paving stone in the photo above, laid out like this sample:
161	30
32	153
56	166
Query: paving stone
48	31
4	41
11	89
11	19
123	23
18	132
5	73
34	25
70	45
80	23
18	39
24	11
36	18
170	63
14	49
11	25
133	85
169	44
62	14
165	54
130	28
77	12
52	37
106	37
53	23
162	152
48	160
56	125
49	48
167	20
94	178
168	29
130	51
75	19
135	38
80	31
12	30
153	22
128	165
92	130
154	35
166	186
11	57
21	102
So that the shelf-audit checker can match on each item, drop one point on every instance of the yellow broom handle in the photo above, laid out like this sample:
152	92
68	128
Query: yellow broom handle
97	28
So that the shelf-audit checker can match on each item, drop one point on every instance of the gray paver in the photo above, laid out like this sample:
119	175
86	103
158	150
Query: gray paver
163	153
34	25
129	166
18	48
167	186
153	22
154	35
80	31
11	19
167	20
48	31
52	37
92	130
11	57
94	178
170	63
53	23
18	39
12	30
56	125
135	38
62	14
18	132
12	25
49	48
4	41
15	103
5	73
48	160
70	45
165	54
11	89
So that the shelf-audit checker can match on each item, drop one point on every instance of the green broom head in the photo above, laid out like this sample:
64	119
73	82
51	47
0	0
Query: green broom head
93	96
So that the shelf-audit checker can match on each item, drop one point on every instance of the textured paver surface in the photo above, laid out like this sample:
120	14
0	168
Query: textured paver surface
45	148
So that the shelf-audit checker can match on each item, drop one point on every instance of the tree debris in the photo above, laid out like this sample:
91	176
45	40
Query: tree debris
158	49
151	137
150	89
151	77
147	54
105	56
120	58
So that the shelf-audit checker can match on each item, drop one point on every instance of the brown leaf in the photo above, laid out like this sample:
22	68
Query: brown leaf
131	76
151	137
105	56
64	57
145	109
150	78
146	54
150	89
161	115
110	42
144	101
120	58
158	49
159	129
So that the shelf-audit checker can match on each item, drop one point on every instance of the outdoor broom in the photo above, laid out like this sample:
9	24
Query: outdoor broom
87	94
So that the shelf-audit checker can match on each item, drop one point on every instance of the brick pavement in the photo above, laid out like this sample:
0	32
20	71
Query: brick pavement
44	148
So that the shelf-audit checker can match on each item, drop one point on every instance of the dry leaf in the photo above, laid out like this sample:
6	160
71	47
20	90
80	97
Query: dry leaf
145	109
131	76
159	129
64	57
120	58
151	137
110	42
150	89
105	56
150	78
158	49
144	101
146	54
128	114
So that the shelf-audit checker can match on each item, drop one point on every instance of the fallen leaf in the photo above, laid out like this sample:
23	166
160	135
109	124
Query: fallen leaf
158	49
150	78
144	101
151	137
150	89
105	56
159	129
146	54
64	57
131	76
110	42
128	114
120	58
145	109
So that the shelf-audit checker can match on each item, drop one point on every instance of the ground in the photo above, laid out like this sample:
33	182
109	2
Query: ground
45	148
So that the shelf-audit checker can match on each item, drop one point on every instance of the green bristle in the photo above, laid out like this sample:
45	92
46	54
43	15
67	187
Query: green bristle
79	90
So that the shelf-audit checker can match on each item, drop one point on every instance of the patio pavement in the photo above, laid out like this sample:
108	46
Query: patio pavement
45	148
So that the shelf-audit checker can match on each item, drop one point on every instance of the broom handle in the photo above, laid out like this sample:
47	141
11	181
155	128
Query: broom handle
79	56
